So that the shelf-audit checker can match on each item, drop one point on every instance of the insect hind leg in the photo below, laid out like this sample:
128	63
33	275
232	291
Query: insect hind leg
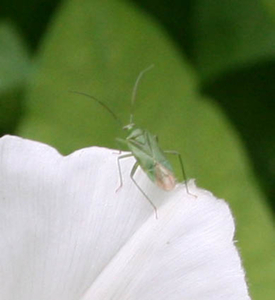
133	171
173	152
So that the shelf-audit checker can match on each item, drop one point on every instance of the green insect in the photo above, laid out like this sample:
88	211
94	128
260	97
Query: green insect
144	146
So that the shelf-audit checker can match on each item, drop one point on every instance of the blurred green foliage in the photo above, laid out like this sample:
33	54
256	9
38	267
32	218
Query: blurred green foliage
210	95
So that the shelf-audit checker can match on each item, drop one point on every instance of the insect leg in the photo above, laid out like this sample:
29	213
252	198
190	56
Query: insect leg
182	167
140	189
118	152
119	168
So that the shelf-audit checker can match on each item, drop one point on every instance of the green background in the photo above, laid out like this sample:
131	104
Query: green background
210	95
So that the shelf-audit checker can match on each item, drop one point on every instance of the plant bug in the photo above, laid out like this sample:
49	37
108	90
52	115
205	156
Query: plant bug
144	147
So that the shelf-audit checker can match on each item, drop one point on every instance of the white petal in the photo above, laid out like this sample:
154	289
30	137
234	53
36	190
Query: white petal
188	253
66	234
61	220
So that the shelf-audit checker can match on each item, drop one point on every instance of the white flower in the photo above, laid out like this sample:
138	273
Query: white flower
65	234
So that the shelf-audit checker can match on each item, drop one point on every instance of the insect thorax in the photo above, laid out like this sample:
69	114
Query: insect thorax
138	135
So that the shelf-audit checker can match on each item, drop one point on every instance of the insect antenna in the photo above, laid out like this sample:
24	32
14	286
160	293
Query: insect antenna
135	92
101	103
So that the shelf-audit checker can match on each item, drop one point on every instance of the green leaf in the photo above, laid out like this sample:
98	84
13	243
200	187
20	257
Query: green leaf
99	47
231	34
14	71
270	5
14	58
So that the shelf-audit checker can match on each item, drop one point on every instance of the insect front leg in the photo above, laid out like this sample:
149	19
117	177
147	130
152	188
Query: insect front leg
118	152
140	189
182	168
119	169
118	142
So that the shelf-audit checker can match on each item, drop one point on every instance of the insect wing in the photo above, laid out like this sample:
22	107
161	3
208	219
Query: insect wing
145	161
164	178
164	173
151	159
